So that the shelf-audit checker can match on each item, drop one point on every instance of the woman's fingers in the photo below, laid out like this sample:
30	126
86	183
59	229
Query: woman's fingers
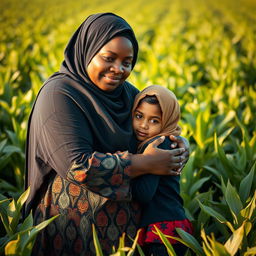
181	142
157	142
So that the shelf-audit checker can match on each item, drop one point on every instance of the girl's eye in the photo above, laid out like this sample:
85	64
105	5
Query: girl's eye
138	116
154	121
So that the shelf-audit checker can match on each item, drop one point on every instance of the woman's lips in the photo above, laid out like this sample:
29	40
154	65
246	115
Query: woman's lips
113	79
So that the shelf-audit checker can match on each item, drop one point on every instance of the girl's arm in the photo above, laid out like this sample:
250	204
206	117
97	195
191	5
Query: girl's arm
144	187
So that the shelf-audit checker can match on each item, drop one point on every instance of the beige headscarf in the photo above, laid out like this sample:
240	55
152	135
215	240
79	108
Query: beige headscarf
169	106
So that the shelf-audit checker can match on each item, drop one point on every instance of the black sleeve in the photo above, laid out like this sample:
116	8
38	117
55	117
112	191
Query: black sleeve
66	144
144	187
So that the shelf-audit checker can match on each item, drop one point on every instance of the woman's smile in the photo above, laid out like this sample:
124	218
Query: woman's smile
110	67
111	79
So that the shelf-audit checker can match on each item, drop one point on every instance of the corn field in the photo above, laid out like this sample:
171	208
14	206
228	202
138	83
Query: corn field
204	51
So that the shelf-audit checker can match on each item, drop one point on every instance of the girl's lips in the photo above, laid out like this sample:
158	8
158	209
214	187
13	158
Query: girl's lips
141	134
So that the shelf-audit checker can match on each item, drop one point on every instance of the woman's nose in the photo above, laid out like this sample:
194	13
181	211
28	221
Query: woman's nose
117	68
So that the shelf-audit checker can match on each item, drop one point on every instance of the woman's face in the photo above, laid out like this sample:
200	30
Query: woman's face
112	64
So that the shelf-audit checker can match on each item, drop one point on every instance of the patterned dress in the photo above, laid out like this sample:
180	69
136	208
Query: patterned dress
79	208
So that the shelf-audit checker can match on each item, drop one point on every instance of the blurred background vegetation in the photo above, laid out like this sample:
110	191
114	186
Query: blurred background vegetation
205	51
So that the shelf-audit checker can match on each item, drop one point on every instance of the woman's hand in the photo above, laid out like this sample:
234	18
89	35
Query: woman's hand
181	142
158	161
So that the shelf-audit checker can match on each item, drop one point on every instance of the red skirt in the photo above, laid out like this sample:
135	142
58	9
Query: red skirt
167	227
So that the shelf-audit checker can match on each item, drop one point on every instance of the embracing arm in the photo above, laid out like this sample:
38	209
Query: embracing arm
67	145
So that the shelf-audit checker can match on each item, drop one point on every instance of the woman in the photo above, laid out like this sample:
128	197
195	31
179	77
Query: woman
81	118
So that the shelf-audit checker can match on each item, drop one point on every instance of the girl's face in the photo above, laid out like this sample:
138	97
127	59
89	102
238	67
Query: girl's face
147	121
112	64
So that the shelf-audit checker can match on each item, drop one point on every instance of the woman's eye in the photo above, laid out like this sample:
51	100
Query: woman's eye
127	64
108	59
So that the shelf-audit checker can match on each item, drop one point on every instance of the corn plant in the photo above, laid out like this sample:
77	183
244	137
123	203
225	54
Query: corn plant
122	249
20	236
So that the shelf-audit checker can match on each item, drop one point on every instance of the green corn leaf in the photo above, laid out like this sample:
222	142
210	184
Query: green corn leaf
14	210
225	135
247	228
28	223
197	185
10	149
4	216
165	241
121	248
213	171
189	241
228	118
248	211
28	240
212	212
233	200
22	199
250	251
215	215
212	247
13	248
246	185
135	243
13	216
96	242
141	253
6	186
206	245
235	240
227	164
245	139
2	145
4	160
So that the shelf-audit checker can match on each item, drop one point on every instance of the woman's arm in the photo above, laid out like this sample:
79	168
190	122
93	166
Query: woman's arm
157	161
67	146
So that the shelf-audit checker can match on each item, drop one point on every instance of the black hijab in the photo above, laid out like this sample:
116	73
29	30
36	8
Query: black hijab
89	38
112	118
108	113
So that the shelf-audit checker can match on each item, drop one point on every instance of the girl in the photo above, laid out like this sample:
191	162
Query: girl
156	112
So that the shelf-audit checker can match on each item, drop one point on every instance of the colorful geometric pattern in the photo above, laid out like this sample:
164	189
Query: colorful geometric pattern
95	191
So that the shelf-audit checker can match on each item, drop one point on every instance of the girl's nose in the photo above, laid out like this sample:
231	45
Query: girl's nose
144	124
